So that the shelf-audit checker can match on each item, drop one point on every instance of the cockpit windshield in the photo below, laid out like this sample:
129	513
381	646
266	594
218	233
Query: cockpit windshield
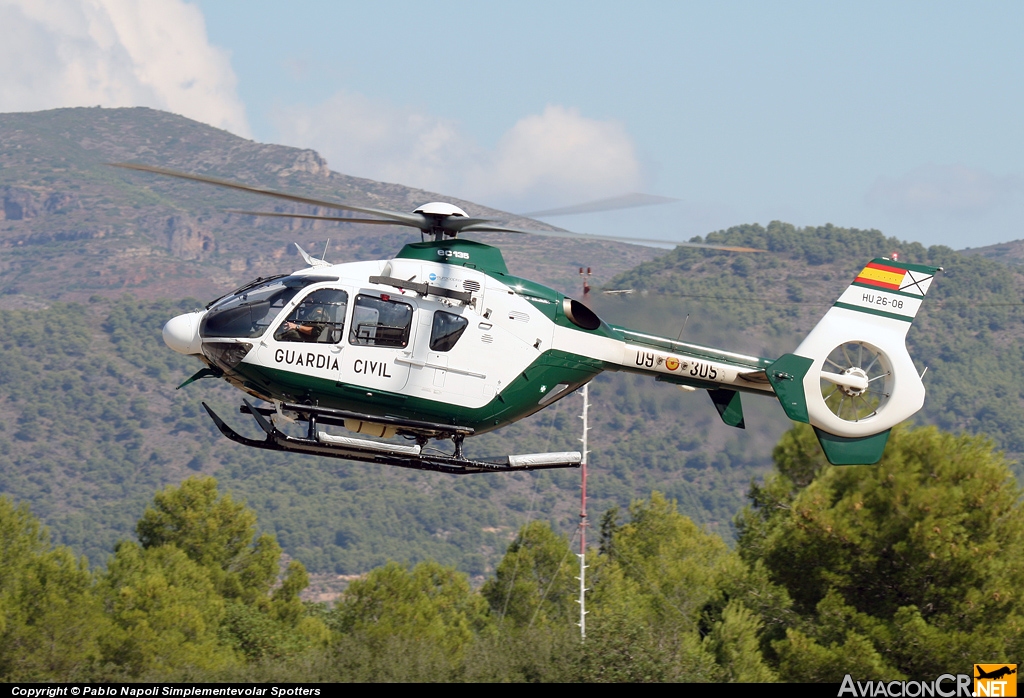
249	311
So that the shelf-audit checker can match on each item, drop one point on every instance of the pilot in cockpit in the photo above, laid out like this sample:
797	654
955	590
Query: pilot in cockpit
305	325
319	317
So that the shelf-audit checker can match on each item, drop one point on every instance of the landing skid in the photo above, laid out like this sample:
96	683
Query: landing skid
320	443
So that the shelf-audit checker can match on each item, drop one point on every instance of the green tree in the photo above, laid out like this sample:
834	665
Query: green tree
921	556
220	536
50	616
535	582
676	595
215	532
166	610
429	604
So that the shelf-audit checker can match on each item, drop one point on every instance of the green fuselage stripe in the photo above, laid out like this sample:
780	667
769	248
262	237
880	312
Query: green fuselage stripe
872	311
519	399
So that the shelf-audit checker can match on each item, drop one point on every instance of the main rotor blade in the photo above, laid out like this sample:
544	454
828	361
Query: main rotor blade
414	220
308	216
419	221
613	203
457	224
606	238
494	228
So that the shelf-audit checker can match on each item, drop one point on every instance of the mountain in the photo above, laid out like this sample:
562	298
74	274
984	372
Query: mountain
93	260
67	215
1011	253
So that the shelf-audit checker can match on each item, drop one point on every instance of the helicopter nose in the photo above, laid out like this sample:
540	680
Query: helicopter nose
181	333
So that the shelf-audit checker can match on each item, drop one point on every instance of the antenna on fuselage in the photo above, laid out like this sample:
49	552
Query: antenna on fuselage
681	329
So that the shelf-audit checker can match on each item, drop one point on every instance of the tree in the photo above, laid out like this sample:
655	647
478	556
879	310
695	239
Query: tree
166	610
669	603
921	556
215	532
534	583
430	604
220	536
50	616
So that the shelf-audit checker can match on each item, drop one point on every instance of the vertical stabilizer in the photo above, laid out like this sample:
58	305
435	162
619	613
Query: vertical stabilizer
852	377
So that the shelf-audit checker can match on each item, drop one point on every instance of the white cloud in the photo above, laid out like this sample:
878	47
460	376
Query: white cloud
943	190
556	157
115	53
563	152
371	138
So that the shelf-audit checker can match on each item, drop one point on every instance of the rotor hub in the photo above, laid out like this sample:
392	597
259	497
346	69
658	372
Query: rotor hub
851	390
441	209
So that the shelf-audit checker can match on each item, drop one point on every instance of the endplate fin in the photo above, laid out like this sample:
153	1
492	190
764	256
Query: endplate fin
842	450
787	378
729	407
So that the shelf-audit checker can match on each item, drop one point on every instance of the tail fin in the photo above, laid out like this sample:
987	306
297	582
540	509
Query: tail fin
852	377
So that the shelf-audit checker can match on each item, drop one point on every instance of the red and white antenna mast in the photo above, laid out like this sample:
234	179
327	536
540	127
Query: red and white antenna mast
582	601
586	285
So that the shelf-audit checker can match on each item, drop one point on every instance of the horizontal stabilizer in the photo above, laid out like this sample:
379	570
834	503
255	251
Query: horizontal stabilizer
787	378
205	372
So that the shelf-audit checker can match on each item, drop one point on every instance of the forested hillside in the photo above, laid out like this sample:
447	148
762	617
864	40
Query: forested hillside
908	569
92	424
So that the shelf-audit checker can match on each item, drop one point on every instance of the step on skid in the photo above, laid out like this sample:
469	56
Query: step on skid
320	443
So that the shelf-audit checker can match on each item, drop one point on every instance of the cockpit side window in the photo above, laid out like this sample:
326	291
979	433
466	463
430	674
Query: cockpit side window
446	330
249	313
318	318
380	322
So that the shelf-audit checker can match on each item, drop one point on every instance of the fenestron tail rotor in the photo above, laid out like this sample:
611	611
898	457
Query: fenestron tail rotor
437	219
856	381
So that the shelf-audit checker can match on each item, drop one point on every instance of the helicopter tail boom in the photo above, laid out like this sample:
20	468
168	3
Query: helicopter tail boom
852	377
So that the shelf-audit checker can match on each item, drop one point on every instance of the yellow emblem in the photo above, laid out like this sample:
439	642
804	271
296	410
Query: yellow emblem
995	680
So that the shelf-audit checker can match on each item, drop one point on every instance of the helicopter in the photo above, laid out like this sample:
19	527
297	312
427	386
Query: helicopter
442	342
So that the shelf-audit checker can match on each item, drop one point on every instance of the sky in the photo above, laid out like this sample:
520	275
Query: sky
904	117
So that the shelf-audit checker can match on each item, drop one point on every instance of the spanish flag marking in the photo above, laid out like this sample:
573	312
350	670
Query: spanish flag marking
881	276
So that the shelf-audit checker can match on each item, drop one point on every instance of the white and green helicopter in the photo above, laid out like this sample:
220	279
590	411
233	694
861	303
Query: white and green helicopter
442	342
